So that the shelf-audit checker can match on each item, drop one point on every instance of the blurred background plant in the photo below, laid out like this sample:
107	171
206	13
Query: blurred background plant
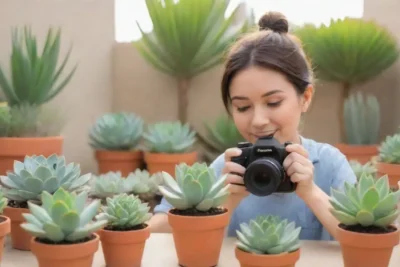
368	168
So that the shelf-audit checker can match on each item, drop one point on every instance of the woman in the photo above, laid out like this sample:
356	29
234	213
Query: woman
266	87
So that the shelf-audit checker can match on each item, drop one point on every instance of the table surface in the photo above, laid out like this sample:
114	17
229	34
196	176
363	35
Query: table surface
313	253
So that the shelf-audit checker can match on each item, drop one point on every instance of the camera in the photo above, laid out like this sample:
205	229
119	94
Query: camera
263	161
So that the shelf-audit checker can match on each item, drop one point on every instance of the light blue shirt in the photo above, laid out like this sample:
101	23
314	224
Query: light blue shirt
331	169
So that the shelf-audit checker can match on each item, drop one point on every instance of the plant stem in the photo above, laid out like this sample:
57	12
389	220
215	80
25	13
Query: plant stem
183	98
345	94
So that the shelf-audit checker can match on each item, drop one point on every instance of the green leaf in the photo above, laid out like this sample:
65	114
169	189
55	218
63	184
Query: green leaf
33	230
70	221
344	217
370	199
343	200
58	210
53	232
365	218
385	206
89	212
205	205
382	185
193	191
388	220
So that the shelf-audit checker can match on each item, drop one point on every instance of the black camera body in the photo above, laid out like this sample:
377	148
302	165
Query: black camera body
263	161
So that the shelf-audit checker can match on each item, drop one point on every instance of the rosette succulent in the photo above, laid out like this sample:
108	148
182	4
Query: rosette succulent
38	173
389	150
116	131
268	235
367	203
169	137
144	183
110	184
63	216
195	186
124	211
358	168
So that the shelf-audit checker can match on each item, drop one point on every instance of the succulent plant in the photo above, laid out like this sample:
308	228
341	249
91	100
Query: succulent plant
195	186
110	184
268	235
38	173
63	216
116	131
358	168
367	203
169	137
3	202
144	183
362	119
124	212
389	150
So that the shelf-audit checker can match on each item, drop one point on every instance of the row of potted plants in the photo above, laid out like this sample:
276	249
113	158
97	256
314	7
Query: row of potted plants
66	228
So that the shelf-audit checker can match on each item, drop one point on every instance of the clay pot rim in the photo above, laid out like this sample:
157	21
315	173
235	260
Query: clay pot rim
130	231
198	217
244	257
368	234
94	240
41	138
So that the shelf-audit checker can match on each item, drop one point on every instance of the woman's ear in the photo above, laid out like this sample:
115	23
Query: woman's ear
307	97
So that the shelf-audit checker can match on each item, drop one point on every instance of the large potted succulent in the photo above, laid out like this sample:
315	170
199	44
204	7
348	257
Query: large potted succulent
268	241
362	125
31	128
167	144
388	160
349	52
197	216
26	183
124	237
63	229
115	138
4	224
366	212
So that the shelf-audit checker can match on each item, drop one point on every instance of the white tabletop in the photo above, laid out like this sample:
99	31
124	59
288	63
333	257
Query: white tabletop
160	251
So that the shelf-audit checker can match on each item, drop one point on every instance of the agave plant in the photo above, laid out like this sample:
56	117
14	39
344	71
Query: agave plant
35	78
370	202
169	137
268	235
124	212
188	38
389	150
349	51
110	184
362	119
195	187
38	173
62	217
116	131
367	168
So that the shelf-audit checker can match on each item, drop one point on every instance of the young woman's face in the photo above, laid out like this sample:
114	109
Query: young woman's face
264	102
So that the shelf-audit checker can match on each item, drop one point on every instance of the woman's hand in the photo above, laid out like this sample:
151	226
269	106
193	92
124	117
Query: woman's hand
300	169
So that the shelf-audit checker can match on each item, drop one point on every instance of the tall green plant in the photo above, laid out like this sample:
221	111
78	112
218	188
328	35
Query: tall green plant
188	38
34	77
349	51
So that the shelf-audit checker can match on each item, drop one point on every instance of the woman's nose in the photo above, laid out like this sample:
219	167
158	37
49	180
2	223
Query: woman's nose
260	118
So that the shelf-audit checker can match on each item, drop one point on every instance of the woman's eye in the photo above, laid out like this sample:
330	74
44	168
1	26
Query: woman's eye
242	109
274	104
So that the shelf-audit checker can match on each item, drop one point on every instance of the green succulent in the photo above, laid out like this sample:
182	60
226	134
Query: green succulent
362	119
38	173
116	131
3	202
367	203
169	137
195	186
125	212
268	235
358	168
110	184
389	150
144	183
63	217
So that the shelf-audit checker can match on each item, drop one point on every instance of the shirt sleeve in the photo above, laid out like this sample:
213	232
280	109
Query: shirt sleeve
217	165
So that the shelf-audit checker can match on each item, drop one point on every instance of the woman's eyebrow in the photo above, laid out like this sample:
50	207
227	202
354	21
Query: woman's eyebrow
264	95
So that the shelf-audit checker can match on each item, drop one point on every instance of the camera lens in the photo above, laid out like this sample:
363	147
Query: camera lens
263	176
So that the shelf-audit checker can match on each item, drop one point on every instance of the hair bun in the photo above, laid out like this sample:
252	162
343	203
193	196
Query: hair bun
274	21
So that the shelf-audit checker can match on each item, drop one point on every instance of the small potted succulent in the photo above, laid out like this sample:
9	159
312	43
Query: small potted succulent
167	144
366	212
359	169
115	137
124	237
268	241
197	216
146	186
63	229
4	224
26	183
388	161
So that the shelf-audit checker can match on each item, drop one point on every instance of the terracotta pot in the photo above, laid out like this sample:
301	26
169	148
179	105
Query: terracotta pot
192	235
74	255
16	148
124	248
5	225
392	171
157	162
255	260
123	161
20	239
367	250
361	153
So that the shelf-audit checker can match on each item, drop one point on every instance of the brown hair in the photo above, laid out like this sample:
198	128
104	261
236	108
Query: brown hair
271	47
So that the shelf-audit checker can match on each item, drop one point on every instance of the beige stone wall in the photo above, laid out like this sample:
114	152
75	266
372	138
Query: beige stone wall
114	77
